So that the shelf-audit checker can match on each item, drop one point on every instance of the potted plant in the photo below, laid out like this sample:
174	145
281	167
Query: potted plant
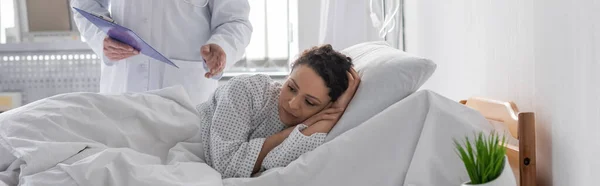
485	160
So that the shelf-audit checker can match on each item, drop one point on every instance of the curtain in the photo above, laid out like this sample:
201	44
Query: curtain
345	23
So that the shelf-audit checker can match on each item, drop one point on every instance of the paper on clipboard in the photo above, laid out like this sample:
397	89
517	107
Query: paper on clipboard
124	35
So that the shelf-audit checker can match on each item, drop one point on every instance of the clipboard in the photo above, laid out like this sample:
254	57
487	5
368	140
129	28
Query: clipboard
124	35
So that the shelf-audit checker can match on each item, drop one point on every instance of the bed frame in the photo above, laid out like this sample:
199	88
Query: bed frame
521	125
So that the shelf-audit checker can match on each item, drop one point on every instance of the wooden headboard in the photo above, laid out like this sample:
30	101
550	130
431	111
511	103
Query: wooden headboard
521	125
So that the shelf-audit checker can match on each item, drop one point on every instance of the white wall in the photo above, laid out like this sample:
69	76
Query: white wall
568	85
542	54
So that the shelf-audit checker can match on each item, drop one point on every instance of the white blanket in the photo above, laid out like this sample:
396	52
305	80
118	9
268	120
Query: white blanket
151	139
92	139
409	143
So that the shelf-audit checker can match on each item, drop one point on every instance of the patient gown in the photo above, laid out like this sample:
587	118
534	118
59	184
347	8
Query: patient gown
236	121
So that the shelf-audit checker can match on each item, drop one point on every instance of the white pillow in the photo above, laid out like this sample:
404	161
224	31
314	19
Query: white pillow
387	76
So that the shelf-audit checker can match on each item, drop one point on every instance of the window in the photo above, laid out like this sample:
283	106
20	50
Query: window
7	18
270	47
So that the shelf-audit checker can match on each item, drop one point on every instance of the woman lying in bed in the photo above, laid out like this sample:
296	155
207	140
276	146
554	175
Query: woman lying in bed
254	123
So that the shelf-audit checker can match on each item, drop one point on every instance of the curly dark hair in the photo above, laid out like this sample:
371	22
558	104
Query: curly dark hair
331	65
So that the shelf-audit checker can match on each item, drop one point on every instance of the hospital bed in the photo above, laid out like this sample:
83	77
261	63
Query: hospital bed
391	134
520	125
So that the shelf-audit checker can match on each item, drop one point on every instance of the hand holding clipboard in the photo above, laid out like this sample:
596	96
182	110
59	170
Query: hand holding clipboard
124	35
116	50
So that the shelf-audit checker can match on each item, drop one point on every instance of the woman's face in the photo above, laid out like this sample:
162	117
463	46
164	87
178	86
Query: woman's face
303	95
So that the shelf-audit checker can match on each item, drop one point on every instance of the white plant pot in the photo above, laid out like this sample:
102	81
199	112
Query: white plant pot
506	178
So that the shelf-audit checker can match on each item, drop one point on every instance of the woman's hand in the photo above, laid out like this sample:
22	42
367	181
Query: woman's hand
326	114
325	120
346	97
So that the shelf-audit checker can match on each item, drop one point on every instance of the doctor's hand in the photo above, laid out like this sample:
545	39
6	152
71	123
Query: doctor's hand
215	59
116	50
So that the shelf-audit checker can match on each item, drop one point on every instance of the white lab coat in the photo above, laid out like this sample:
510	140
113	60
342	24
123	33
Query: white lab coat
177	29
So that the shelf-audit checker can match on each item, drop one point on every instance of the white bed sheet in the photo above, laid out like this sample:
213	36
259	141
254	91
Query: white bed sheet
409	143
92	139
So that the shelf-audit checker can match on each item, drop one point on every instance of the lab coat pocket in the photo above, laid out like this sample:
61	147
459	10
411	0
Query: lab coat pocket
190	75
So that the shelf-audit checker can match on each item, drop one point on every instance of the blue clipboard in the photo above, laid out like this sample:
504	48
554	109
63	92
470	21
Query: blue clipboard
124	35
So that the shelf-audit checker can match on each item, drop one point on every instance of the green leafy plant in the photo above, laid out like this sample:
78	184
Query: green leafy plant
483	158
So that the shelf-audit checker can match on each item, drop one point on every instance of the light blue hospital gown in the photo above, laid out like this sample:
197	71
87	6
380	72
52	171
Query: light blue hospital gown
237	120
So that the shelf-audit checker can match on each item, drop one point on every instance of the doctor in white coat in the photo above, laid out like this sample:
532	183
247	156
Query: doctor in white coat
191	33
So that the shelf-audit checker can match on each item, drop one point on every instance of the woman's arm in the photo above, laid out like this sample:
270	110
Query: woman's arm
270	143
292	147
323	126
229	118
